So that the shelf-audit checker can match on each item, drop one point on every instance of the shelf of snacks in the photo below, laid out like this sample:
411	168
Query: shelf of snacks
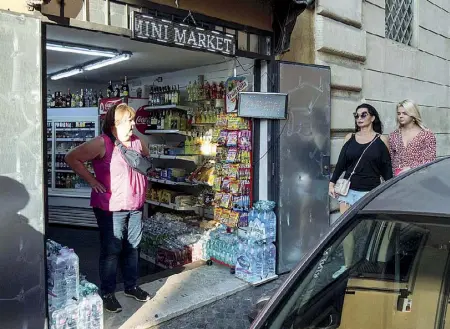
172	206
170	182
168	107
172	240
193	158
233	171
170	131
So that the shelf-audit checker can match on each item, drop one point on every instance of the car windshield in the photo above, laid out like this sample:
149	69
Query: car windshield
381	274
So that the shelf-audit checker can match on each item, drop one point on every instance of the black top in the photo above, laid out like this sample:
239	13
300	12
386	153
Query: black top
375	163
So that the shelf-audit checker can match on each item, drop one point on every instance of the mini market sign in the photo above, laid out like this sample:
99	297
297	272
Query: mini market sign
148	28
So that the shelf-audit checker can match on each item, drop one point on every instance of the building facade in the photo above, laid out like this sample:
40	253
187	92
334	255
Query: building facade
380	52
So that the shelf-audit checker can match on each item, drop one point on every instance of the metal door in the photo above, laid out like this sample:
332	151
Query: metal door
301	161
22	185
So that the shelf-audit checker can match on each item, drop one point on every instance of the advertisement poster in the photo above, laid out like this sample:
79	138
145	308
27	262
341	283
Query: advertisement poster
234	86
142	119
106	104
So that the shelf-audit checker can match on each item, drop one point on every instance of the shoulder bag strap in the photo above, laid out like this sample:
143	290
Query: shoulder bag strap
357	163
116	142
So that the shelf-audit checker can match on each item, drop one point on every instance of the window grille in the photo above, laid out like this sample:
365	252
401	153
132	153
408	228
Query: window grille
399	20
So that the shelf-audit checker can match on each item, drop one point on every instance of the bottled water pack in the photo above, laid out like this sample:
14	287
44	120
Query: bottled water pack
73	303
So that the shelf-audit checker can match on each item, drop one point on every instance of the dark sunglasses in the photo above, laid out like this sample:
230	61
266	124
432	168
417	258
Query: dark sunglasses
362	115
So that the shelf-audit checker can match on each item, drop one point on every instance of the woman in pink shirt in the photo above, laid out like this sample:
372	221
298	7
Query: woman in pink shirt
412	144
118	196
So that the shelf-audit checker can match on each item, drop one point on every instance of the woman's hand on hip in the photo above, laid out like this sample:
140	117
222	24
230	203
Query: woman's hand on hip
98	187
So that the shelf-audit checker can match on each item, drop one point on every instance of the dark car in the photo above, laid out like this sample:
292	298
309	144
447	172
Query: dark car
385	263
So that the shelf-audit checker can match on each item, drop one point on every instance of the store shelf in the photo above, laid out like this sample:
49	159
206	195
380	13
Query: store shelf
70	139
171	206
70	192
75	129
192	158
168	107
203	124
169	182
69	170
172	131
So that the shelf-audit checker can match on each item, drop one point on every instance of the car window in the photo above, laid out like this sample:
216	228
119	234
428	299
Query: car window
381	274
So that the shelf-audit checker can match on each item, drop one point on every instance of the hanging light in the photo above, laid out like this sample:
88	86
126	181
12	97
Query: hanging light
80	50
66	74
107	62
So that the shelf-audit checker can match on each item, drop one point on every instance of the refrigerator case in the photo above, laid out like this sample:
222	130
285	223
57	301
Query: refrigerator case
69	194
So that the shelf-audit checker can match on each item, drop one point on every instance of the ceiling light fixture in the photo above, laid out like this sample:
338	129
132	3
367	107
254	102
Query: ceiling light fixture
107	62
80	50
66	74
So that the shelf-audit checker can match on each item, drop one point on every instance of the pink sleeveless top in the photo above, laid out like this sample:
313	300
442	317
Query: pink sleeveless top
125	188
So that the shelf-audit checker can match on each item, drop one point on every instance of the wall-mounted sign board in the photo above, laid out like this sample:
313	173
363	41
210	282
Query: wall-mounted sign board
149	28
263	105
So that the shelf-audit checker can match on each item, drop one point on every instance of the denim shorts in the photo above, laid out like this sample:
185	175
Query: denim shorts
352	197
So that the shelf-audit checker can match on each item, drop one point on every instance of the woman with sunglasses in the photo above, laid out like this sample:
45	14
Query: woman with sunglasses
367	168
412	144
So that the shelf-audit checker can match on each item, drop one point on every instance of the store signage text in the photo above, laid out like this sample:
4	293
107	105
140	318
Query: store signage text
155	29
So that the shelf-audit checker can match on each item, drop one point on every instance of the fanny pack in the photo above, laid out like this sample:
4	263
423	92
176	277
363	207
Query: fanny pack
133	158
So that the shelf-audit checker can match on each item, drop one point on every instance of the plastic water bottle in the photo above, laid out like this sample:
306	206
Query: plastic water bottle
56	281
91	312
269	260
72	273
271	225
258	263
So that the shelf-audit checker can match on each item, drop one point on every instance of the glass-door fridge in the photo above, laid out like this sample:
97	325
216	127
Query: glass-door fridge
68	193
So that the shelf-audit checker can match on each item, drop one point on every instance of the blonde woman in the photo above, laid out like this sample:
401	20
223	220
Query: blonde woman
117	198
411	144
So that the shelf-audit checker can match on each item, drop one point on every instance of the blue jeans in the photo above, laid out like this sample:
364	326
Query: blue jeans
352	197
120	235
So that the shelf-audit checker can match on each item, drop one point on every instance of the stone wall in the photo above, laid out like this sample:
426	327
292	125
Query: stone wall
366	66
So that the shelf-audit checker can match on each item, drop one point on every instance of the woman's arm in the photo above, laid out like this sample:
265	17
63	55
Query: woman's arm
385	162
90	150
385	140
340	165
429	148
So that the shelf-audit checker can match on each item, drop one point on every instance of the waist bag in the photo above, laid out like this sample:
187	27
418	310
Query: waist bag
133	158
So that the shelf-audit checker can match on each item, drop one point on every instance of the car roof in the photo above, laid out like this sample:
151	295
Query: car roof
423	191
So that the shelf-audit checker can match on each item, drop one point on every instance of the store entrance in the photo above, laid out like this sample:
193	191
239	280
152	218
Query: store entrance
178	96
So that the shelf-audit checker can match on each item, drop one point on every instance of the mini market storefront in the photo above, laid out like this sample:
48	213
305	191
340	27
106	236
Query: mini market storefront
159	30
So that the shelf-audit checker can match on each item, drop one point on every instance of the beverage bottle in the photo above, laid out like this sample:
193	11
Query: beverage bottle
150	97
271	259
153	121
68	98
117	91
53	101
163	120
95	99
81	99
167	120
109	90
56	281
259	262
125	88
183	123
100	97
72	272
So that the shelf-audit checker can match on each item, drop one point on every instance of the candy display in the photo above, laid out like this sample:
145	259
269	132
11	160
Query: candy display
233	174
74	303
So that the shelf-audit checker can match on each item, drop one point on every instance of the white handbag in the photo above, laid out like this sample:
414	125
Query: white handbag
342	185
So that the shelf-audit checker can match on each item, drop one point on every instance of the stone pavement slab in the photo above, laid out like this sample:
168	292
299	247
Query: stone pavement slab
175	296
